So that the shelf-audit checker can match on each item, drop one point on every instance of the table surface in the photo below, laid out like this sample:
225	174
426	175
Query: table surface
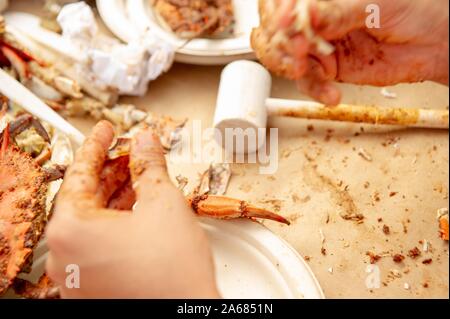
321	176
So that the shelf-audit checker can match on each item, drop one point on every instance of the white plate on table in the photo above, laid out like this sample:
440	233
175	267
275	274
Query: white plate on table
251	263
130	19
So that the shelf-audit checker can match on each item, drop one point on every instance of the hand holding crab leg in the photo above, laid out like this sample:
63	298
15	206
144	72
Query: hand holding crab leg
113	249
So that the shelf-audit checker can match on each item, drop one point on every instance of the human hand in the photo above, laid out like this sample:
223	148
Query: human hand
411	44
156	251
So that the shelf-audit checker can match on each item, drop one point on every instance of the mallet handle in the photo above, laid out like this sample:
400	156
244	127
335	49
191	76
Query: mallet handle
359	113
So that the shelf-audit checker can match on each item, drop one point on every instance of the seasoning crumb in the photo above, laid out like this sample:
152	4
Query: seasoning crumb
398	258
307	258
386	230
322	236
425	285
414	253
406	286
380	219
405	227
392	194
425	245
323	251
364	154
330	270
376	196
373	257
310	128
388	94
427	261
395	273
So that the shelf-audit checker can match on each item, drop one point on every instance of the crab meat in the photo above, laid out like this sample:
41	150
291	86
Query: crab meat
190	19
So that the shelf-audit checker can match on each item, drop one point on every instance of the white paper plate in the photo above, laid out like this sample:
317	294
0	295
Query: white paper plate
250	261
130	19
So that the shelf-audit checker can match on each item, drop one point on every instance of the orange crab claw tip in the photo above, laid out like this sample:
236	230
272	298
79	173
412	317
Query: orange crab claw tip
256	212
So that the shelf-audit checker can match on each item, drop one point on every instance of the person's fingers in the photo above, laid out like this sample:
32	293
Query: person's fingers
323	91
284	15
334	19
297	48
318	81
114	176
148	165
82	178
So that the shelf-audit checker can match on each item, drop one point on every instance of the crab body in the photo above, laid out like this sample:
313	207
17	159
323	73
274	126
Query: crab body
23	188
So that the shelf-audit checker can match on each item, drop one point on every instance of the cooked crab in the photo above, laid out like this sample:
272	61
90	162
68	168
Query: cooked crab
196	18
23	193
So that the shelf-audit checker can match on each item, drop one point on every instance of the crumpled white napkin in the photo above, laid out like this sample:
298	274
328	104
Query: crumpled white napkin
127	68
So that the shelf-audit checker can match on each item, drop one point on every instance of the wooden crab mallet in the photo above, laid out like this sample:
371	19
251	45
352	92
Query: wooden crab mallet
219	207
243	102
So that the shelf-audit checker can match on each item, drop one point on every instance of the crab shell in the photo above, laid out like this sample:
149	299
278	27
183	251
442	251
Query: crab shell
23	191
26	197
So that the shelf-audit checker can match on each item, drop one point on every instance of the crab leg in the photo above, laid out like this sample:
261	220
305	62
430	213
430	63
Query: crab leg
4	140
214	206
229	208
17	62
26	121
54	173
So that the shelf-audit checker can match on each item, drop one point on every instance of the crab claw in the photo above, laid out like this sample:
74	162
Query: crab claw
25	121
54	173
19	64
4	140
229	208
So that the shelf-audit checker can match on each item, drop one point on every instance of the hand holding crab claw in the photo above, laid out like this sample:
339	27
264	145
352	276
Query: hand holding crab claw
410	45
127	255
94	228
